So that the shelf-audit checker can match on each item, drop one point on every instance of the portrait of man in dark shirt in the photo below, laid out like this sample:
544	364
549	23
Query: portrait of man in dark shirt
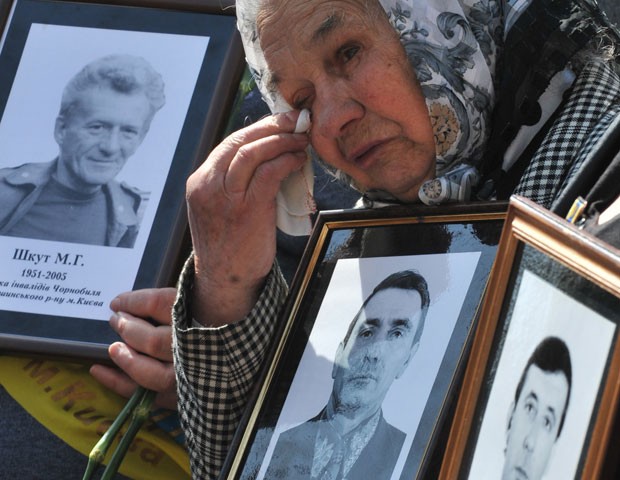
105	113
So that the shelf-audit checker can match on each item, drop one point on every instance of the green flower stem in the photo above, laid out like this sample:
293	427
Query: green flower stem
138	416
99	451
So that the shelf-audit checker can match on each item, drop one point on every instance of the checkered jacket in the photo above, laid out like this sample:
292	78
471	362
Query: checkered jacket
593	105
216	369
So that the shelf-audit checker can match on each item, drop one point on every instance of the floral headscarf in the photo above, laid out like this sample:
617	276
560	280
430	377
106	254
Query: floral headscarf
452	46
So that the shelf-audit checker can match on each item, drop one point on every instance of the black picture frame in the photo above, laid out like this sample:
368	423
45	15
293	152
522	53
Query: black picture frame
554	294
349	251
196	48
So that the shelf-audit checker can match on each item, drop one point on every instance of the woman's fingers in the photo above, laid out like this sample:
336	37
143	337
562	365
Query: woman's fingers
155	341
267	162
153	303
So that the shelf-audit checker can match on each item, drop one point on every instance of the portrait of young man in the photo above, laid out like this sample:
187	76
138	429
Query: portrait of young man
537	414
105	113
543	392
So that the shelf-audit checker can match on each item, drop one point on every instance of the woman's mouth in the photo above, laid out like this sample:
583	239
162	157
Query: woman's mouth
366	155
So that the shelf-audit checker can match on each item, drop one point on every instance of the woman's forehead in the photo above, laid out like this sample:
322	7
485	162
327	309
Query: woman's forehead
317	22
313	18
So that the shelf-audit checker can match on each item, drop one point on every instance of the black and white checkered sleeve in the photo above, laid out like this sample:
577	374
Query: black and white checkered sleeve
216	369
589	109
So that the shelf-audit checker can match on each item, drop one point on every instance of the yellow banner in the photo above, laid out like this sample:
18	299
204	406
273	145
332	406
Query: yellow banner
70	403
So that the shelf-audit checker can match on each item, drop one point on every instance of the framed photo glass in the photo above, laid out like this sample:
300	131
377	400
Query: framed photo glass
540	390
105	110
374	331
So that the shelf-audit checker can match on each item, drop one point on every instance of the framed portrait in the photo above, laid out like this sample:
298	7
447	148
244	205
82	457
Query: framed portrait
105	110
375	328
540	388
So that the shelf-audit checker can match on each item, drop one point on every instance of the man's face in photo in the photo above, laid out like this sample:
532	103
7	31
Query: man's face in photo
534	424
98	136
378	349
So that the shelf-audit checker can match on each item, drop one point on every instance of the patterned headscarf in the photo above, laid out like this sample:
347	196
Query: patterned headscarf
452	46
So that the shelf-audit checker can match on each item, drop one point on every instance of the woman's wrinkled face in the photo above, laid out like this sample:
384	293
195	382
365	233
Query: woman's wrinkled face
343	61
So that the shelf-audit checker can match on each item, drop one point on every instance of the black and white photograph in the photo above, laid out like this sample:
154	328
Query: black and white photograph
540	392
361	377
371	360
105	113
544	389
89	128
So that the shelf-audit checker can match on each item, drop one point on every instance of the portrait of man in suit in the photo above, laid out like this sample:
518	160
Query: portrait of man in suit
350	438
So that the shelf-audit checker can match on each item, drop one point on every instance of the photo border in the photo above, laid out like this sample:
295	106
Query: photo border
530	225
81	338
310	284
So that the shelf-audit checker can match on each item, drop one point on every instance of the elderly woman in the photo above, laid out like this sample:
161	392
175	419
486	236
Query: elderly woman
432	100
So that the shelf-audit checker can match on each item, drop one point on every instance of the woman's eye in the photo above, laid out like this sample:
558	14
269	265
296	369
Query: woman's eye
300	103
347	53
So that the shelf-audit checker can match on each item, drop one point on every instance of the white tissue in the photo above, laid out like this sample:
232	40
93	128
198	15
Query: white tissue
303	121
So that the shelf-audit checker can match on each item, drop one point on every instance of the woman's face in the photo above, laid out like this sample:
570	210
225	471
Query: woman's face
344	62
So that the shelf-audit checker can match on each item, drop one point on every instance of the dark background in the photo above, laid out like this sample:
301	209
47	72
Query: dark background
612	8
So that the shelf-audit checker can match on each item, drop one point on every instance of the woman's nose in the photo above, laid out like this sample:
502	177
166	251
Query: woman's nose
334	109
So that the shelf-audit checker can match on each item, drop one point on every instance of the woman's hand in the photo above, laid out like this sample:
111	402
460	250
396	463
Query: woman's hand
232	215
145	355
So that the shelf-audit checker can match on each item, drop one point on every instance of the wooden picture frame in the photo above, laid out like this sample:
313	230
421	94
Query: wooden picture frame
554	293
55	291
349	253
